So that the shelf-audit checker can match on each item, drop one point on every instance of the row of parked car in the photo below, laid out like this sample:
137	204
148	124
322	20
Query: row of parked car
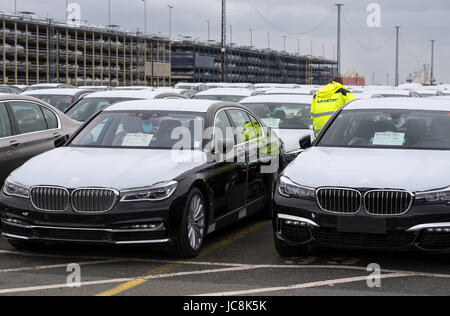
151	166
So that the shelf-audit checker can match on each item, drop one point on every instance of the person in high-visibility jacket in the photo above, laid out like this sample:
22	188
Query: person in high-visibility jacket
327	101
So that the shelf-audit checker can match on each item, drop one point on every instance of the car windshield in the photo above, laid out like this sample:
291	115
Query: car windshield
389	129
61	102
225	98
283	115
148	129
6	90
85	108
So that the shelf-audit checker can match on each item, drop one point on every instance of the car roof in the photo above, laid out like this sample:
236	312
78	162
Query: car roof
299	91
391	92
283	98
186	105
21	97
47	85
228	91
131	94
71	92
432	104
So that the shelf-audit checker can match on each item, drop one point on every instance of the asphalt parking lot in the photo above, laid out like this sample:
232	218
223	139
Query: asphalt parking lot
240	260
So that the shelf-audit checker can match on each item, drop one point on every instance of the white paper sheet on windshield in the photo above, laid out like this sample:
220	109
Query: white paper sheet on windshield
137	140
272	122
389	139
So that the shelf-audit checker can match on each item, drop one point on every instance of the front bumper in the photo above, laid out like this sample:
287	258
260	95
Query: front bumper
302	222
125	224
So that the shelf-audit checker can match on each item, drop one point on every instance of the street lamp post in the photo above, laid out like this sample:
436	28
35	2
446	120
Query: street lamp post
251	38
145	16
170	20
284	43
209	30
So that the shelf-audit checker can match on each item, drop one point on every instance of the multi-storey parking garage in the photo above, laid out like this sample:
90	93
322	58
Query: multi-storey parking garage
194	61
41	51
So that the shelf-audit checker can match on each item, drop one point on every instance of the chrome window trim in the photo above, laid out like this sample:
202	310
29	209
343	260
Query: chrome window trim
340	188
243	110
50	187
391	190
43	131
116	200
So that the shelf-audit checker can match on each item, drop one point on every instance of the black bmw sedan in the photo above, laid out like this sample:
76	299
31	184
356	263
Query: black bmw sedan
145	172
377	177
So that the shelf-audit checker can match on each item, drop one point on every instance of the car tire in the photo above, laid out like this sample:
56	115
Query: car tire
287	251
193	227
26	245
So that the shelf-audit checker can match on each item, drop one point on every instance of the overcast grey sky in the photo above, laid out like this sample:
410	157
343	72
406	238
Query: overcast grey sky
421	21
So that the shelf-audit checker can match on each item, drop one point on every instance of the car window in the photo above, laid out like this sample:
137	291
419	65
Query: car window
61	102
244	126
257	128
283	115
5	124
86	108
29	117
50	118
403	129
146	129
222	127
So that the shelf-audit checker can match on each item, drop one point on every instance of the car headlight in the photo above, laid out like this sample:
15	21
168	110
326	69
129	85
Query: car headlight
287	188
157	192
434	197
15	189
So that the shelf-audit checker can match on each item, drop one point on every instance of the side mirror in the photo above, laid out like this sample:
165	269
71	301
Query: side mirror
61	141
305	142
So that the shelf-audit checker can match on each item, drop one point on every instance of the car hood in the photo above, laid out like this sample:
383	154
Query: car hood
112	168
291	137
413	170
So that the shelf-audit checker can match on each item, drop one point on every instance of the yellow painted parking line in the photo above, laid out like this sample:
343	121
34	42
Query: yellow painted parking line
166	268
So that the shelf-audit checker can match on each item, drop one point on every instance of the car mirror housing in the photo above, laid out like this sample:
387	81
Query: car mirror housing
61	141
305	142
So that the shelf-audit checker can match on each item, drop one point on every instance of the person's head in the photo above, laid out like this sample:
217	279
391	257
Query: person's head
338	80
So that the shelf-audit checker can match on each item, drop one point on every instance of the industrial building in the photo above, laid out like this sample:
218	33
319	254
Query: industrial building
35	51
42	51
194	61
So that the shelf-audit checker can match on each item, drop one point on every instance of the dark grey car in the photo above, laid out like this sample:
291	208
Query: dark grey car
28	127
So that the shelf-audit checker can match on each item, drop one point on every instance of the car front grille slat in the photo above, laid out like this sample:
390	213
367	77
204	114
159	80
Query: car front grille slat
388	203
339	200
51	199
94	200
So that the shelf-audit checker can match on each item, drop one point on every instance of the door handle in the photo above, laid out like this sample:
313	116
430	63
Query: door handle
15	144
56	135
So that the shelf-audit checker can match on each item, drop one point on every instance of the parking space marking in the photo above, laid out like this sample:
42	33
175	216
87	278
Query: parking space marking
131	284
306	285
244	267
57	266
123	280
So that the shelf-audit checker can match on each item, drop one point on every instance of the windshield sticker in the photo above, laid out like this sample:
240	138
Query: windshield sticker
137	140
389	139
272	122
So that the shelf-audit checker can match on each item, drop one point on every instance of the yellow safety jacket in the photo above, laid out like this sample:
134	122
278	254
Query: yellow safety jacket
326	102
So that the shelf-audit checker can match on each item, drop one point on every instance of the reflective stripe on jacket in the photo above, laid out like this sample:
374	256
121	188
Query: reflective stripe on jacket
326	102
